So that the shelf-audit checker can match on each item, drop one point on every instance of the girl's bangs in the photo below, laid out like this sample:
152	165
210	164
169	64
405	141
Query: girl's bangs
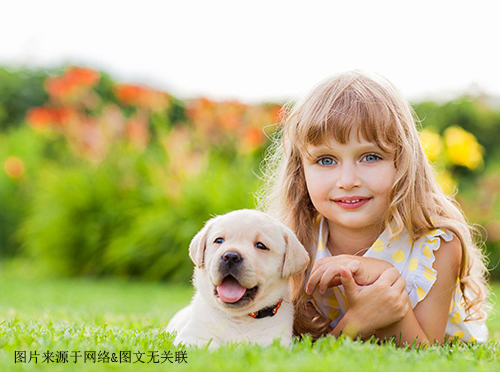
321	121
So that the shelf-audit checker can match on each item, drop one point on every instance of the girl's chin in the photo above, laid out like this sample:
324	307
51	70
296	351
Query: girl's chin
357	223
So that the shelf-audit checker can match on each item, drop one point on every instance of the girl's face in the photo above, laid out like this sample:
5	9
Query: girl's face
349	183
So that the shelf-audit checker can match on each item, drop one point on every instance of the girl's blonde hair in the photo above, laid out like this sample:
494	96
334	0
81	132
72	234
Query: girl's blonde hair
373	107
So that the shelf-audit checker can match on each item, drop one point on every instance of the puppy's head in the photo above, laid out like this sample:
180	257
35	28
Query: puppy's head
244	259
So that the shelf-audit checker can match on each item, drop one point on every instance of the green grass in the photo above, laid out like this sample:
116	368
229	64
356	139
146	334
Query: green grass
112	315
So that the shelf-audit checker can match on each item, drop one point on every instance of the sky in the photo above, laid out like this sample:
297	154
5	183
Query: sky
257	51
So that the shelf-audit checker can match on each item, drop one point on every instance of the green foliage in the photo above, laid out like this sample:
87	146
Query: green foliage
478	190
16	192
124	217
20	89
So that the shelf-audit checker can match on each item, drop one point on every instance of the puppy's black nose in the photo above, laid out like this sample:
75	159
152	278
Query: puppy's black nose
231	258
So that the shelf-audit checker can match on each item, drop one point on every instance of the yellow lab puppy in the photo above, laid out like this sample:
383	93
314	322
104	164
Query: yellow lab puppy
244	260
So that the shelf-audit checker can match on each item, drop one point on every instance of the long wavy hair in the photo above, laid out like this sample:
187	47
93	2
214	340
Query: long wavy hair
372	106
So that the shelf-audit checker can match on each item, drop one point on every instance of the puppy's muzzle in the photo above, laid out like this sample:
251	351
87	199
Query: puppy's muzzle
231	259
229	289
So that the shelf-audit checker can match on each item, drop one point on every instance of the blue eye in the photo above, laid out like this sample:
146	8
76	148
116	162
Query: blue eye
219	241
371	158
326	161
261	246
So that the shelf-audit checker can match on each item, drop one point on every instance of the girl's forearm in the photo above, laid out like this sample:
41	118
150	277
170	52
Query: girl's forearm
353	325
407	331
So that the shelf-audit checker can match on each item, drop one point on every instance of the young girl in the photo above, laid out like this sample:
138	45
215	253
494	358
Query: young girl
391	254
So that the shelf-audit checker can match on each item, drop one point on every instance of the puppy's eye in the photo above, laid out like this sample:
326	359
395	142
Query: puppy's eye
261	246
219	241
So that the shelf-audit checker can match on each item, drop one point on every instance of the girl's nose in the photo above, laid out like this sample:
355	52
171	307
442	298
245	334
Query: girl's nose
348	177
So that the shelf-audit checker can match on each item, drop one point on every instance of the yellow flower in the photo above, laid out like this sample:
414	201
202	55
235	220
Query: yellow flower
446	181
431	143
463	148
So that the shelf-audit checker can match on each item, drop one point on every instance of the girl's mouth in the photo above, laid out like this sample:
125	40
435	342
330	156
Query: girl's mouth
351	202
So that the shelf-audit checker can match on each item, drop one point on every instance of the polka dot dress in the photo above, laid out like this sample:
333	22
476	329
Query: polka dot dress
414	261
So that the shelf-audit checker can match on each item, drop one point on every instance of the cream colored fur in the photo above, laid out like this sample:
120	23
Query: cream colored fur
208	319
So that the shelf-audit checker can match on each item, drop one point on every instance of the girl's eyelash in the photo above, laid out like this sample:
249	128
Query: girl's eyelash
373	154
318	161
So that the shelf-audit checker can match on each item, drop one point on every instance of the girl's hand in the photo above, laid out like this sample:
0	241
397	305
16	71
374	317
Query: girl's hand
375	306
326	271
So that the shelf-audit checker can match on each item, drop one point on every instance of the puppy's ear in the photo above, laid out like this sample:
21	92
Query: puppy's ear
199	244
296	257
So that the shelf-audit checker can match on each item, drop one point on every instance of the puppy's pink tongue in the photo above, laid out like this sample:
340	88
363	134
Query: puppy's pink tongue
230	290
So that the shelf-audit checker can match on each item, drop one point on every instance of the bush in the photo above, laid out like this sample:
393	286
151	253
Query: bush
128	216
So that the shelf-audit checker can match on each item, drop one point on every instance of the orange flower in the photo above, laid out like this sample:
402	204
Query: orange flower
58	87
81	76
253	138
39	117
14	167
74	82
48	117
62	115
127	94
134	95
276	114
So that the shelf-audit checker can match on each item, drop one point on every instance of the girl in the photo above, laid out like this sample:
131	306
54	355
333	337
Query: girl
391	254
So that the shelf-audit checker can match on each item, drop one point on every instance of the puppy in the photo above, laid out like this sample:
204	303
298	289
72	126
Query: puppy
244	260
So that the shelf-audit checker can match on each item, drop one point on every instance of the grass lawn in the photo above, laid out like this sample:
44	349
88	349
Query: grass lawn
80	315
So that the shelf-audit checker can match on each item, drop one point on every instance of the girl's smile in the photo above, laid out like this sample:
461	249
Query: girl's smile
349	184
351	202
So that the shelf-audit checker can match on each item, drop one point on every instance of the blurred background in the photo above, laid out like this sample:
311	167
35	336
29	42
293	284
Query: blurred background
123	129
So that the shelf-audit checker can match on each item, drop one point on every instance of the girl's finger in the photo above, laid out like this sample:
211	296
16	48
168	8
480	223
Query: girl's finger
347	281
399	284
326	279
355	268
314	279
336	281
388	277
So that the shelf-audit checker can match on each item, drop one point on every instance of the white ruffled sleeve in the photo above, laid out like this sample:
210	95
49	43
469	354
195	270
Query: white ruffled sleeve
424	275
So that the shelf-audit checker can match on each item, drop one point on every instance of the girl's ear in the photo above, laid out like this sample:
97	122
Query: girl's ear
198	245
296	257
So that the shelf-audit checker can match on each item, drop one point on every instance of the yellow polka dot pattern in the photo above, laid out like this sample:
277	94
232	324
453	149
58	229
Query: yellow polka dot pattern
344	297
427	251
420	292
456	318
333	313
378	246
412	266
429	276
321	247
398	256
332	300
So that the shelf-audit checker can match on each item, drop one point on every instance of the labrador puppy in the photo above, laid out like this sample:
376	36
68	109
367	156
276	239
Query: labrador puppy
243	262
